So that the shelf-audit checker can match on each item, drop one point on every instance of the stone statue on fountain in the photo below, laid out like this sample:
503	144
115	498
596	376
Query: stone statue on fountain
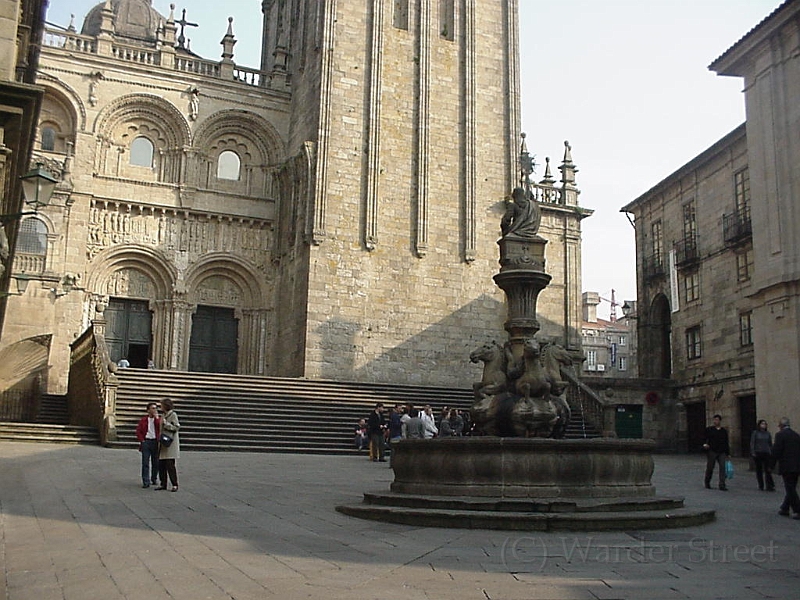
521	391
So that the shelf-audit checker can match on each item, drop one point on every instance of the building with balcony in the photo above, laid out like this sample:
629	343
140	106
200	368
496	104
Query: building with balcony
720	315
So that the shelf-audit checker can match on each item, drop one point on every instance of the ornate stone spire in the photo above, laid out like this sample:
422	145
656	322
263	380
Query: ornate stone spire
568	170
548	178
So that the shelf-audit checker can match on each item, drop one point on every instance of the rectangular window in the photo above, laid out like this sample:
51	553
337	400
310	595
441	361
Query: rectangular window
623	363
693	343
400	16
689	221
746	328
657	241
691	287
744	265
741	185
591	359
622	340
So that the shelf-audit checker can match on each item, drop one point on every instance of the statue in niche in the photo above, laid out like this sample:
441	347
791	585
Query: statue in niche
194	102
522	217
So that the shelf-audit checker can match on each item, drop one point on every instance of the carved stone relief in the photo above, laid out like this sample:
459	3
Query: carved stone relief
218	291
130	283
196	234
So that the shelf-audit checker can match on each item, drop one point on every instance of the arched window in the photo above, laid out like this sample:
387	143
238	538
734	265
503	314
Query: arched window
32	237
228	165
142	152
48	139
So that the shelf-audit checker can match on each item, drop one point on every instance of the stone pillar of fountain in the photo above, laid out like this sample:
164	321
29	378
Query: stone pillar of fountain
522	277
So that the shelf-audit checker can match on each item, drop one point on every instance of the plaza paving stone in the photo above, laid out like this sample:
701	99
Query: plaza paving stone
75	523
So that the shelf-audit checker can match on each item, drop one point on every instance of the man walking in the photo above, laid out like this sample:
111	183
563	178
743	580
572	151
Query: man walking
147	432
376	425
718	449
786	450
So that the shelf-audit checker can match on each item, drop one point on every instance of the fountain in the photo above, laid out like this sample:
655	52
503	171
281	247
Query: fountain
520	473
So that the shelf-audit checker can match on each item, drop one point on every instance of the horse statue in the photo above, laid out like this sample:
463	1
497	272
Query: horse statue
494	377
493	382
554	357
533	382
534	412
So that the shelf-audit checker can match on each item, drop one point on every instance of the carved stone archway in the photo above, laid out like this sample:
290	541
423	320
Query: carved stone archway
132	272
221	280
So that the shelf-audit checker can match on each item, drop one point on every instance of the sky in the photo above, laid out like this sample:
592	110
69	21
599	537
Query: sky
625	81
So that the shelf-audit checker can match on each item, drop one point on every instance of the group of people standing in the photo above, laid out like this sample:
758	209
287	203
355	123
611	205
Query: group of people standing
159	444
783	452
405	421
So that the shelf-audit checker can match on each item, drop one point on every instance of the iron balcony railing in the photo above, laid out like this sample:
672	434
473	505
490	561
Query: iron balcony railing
736	226
653	266
686	251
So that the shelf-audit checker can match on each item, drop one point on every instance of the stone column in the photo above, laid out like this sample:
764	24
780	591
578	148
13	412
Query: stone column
522	278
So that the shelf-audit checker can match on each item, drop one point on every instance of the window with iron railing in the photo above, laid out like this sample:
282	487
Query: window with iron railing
653	266
736	226
686	251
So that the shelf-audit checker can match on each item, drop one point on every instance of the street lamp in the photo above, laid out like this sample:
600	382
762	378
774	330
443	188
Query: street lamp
38	186
22	285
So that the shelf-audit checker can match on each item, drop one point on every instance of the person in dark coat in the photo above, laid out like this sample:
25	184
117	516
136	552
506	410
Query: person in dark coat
786	451
376	425
718	449
761	451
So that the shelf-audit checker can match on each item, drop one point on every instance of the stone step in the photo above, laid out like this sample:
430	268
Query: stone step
532	521
527	505
53	410
54	434
252	413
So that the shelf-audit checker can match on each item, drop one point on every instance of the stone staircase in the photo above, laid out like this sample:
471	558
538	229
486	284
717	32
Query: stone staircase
49	423
53	410
579	428
48	433
247	413
265	414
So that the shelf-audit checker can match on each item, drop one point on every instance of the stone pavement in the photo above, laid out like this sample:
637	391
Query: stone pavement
75	524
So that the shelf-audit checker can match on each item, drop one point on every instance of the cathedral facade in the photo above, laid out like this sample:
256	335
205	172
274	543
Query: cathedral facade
331	214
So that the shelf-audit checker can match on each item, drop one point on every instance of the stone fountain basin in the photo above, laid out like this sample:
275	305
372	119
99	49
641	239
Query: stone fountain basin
524	467
525	485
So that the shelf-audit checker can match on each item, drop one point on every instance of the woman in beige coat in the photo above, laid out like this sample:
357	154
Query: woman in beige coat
168	454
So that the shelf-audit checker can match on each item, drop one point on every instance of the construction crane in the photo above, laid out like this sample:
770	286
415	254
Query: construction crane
612	314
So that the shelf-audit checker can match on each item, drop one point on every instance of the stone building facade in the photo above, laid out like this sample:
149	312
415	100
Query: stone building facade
609	345
717	258
20	102
332	214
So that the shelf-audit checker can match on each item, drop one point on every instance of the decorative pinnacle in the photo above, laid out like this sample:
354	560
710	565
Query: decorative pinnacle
567	152
526	164
548	176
